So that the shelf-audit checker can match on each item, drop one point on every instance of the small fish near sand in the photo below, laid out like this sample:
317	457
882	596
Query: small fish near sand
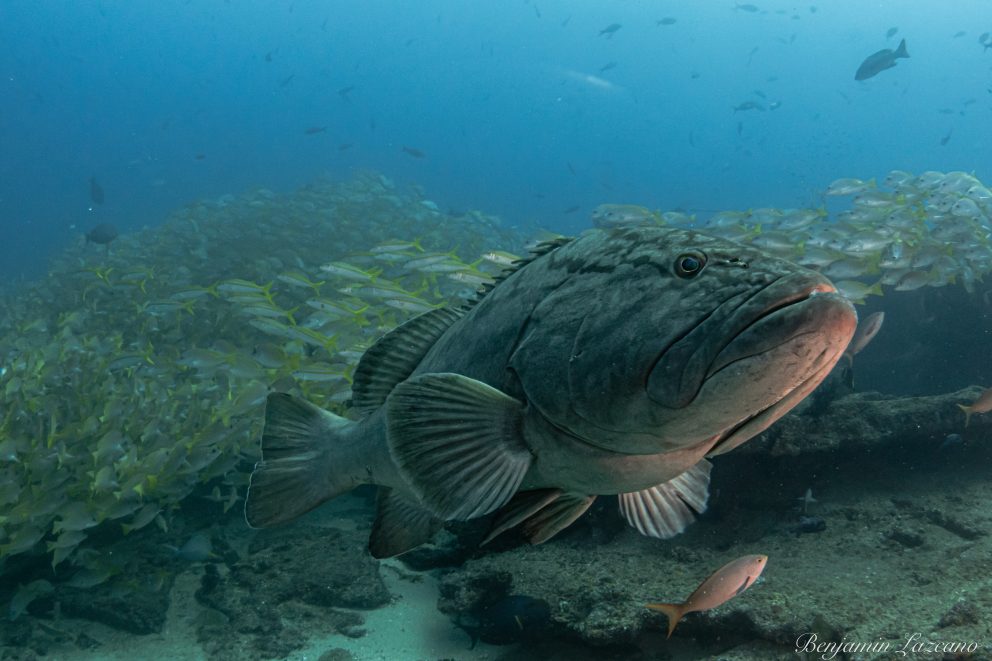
981	405
509	620
878	62
724	584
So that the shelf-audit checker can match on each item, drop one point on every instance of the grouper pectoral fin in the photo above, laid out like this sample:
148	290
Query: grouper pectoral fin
543	513
667	509
400	525
290	479
457	442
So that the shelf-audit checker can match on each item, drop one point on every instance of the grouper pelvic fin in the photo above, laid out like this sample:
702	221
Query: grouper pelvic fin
544	513
400	525
395	355
288	481
457	442
666	509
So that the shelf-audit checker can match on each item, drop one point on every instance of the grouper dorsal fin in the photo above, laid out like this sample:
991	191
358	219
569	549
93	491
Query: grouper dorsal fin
540	250
395	356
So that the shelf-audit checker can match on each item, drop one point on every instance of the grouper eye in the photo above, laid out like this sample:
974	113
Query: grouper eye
689	264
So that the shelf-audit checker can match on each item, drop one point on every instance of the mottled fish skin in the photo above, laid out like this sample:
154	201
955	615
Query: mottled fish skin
549	336
629	355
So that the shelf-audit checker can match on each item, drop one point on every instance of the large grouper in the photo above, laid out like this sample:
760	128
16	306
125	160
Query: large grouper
614	363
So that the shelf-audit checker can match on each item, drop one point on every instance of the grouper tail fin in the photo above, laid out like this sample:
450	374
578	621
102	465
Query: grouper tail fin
292	477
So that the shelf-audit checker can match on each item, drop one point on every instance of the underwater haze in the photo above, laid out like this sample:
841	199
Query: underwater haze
491	330
527	109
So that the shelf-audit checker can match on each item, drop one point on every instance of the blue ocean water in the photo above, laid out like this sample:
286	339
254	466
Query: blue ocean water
524	108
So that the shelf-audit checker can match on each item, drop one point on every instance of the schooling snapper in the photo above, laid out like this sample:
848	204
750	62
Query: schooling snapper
609	364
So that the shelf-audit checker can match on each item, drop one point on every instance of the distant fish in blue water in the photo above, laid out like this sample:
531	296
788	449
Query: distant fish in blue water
102	234
985	40
748	8
96	191
606	67
345	91
878	62
413	151
668	20
314	130
891	32
610	30
748	105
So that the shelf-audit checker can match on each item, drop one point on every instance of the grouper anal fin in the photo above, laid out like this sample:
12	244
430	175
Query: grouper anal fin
400	525
668	508
541	514
457	442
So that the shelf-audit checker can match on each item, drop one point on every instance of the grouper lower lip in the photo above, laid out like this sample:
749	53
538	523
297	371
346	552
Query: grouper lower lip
738	328
777	324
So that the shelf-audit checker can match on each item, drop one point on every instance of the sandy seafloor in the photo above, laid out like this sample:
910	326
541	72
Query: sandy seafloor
409	629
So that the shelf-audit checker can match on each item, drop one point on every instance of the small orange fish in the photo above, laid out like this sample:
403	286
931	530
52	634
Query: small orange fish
724	584
981	405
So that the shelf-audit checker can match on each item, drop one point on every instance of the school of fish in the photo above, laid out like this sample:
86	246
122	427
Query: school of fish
178	333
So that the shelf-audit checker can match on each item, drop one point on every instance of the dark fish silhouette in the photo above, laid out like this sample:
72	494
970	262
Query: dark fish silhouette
412	151
314	130
102	234
891	32
96	191
610	30
668	20
878	62
748	8
512	619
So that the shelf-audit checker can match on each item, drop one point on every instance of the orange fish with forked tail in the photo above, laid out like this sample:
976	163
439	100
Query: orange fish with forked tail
724	584
981	405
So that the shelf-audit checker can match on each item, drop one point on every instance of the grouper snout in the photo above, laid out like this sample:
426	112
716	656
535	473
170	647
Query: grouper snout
734	367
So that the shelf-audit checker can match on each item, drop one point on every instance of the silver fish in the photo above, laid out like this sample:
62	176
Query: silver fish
610	364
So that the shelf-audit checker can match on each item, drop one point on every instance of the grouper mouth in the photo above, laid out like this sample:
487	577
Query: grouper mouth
735	336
